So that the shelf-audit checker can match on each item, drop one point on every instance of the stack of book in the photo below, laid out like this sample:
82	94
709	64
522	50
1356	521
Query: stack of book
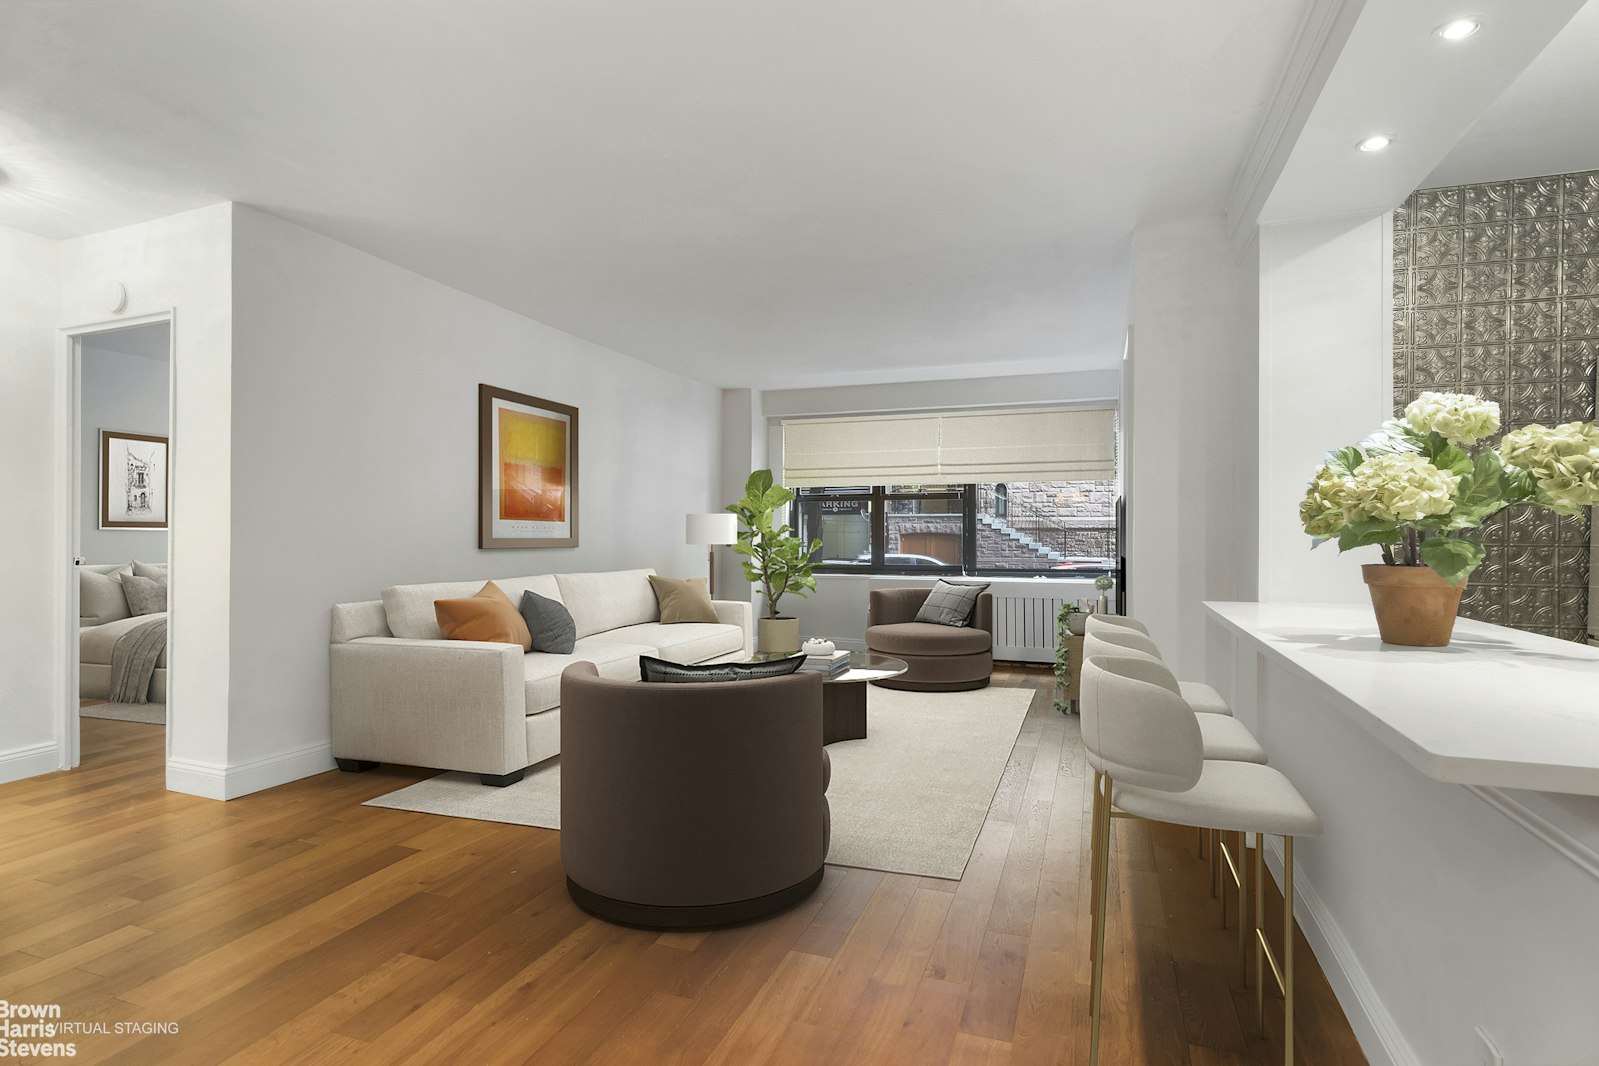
826	665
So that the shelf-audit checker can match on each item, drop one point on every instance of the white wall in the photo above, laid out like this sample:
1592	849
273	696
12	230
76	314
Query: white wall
120	391
32	668
1326	379
1191	457
181	264
354	455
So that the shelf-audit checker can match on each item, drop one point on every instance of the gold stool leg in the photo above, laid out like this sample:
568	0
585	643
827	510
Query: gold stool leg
1095	843
1260	927
1102	859
1243	899
1215	872
1288	951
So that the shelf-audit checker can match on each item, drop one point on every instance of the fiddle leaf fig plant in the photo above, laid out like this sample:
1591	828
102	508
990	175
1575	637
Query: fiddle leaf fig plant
775	558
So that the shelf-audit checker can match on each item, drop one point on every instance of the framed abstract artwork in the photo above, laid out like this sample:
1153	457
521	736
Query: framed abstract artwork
527	471
133	480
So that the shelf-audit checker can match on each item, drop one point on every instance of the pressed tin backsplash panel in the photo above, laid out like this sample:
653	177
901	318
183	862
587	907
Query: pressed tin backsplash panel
1496	293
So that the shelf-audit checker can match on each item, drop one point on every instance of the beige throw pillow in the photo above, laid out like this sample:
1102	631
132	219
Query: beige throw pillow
683	601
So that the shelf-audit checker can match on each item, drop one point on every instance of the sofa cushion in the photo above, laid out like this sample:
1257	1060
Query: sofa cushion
926	638
683	642
550	623
543	671
608	600
488	615
682	601
410	607
155	570
100	596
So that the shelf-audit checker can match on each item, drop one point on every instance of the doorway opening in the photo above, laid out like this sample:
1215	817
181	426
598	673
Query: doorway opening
121	543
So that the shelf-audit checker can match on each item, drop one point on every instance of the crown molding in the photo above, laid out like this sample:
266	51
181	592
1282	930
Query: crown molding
1323	31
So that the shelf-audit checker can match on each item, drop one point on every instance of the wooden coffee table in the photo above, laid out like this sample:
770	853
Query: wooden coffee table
844	696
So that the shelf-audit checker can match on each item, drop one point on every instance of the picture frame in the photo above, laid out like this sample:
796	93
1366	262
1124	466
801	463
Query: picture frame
134	479
527	471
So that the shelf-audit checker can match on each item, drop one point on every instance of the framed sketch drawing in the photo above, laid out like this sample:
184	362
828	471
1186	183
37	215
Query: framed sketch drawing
527	471
133	480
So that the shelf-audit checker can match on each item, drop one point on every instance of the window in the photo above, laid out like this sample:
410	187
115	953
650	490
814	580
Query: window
1058	528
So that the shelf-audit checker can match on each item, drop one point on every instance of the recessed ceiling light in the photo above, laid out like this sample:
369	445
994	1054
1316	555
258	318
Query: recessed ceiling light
1375	143
1458	29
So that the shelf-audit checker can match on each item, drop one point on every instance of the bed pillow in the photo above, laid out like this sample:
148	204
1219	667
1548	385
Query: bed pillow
951	604
489	615
145	595
100	597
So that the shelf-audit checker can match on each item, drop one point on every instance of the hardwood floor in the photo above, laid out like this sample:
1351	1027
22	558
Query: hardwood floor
296	926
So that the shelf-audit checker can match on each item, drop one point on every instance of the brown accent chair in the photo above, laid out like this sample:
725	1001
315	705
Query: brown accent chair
941	658
692	805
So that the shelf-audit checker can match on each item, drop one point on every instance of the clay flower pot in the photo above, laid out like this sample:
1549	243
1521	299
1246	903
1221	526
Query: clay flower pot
1415	607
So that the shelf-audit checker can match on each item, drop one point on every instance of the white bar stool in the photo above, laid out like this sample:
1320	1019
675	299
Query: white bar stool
1129	633
1145	743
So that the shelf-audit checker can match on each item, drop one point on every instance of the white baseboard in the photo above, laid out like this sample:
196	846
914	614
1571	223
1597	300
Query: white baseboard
29	761
1374	1027
240	779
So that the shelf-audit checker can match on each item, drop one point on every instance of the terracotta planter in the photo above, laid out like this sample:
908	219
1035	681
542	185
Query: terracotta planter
777	636
1415	607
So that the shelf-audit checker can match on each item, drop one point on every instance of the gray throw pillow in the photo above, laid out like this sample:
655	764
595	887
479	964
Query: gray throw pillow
550	623
950	604
653	669
100	597
158	571
145	595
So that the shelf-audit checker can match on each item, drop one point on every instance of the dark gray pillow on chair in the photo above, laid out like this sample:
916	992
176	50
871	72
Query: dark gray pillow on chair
653	669
951	604
550	623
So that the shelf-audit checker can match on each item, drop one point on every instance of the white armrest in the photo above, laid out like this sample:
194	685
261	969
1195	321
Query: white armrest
738	613
452	704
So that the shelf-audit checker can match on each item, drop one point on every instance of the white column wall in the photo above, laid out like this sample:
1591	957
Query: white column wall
34	534
1191	457
182	264
1326	380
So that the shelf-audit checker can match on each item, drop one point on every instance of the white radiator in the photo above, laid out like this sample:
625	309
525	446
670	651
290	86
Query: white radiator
1024	621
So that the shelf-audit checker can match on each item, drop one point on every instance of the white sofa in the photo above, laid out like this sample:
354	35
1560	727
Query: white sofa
403	694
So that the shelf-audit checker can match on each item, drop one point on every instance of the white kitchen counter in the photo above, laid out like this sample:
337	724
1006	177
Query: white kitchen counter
1496	708
1454	887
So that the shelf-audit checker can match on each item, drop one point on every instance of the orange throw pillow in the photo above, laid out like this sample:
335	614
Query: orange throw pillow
489	615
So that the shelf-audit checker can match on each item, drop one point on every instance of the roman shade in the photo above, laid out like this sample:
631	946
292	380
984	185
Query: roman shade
953	448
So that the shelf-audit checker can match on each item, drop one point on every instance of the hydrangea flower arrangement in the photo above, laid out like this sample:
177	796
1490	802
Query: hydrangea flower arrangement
1421	483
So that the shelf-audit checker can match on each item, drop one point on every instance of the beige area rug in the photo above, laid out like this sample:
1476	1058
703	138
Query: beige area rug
910	798
148	713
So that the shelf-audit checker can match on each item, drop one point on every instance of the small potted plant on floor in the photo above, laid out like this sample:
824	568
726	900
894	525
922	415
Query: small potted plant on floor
1418	487
775	558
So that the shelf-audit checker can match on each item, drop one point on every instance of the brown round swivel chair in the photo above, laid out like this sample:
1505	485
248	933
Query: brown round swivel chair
941	658
691	805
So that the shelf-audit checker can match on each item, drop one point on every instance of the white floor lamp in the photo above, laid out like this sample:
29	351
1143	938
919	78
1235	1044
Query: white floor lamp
711	529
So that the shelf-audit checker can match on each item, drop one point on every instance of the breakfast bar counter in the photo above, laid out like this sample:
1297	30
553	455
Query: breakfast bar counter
1453	896
1497	708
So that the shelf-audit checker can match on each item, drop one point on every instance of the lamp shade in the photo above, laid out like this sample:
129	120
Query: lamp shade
711	529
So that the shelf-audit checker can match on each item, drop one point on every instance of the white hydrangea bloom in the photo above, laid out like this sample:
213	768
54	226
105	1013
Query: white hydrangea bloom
1320	511
1399	487
1563	460
1457	417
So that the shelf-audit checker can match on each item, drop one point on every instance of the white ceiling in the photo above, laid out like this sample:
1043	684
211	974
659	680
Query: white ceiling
149	341
748	191
1394	76
1547	122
